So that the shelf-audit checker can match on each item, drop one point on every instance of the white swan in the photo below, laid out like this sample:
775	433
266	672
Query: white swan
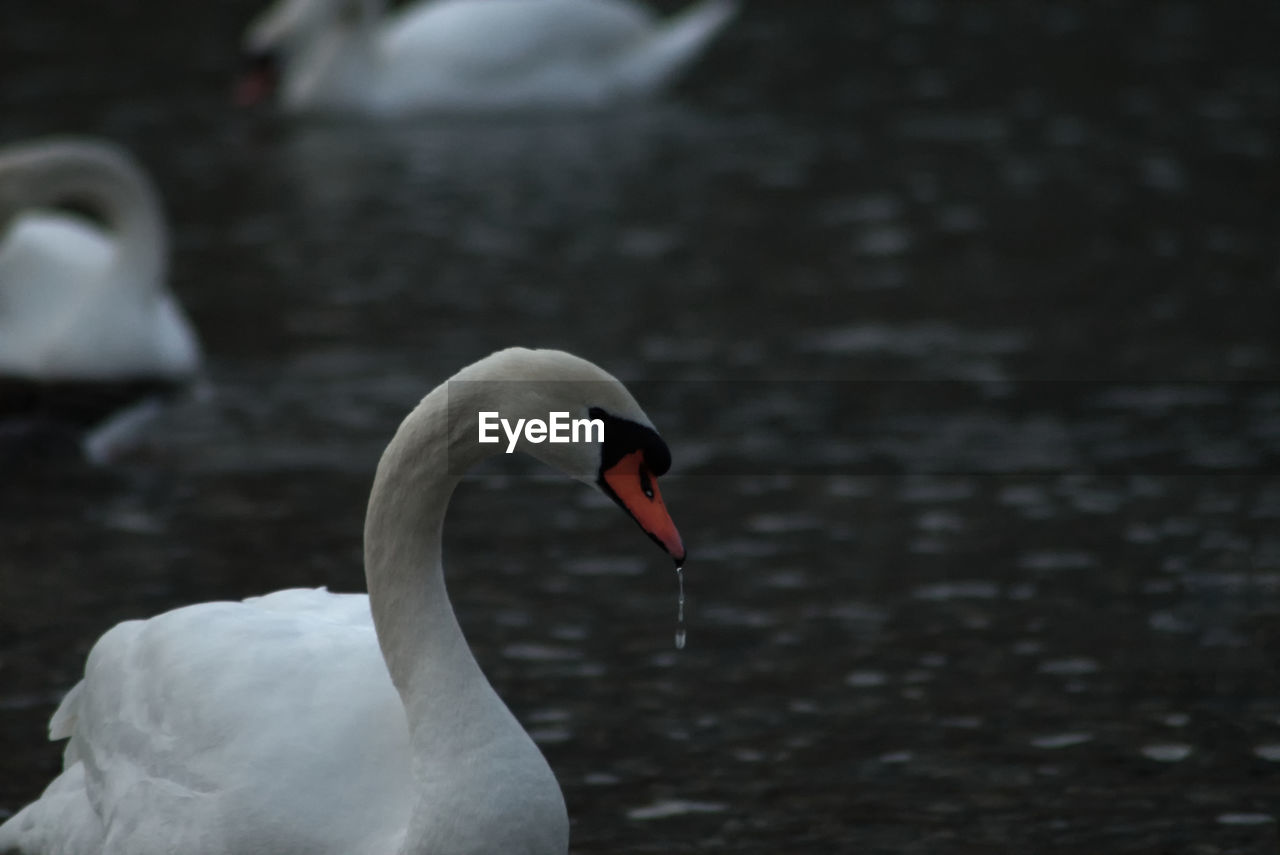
346	56
85	298
274	726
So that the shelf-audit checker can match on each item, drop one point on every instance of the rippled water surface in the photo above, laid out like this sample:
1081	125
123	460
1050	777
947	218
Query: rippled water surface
960	318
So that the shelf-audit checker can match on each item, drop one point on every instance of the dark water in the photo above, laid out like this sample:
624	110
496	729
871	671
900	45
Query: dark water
960	317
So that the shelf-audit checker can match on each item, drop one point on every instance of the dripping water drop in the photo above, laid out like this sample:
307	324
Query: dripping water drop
680	629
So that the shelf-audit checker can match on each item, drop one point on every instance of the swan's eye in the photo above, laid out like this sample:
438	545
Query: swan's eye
646	486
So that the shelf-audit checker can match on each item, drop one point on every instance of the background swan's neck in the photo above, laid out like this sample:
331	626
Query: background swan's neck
100	180
332	64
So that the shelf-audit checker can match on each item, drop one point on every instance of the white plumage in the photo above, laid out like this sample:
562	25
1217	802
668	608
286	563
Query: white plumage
310	722
346	56
231	727
81	298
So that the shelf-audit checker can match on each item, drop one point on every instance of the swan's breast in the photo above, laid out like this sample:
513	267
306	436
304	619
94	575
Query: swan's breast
42	246
52	268
68	310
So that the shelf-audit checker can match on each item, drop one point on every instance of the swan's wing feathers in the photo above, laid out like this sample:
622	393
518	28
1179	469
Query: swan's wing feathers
509	37
61	820
218	709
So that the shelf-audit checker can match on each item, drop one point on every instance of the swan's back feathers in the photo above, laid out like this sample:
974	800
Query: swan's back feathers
504	54
499	55
343	609
513	35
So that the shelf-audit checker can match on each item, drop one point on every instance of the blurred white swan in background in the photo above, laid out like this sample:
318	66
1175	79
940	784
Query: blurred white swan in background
305	721
83	256
348	56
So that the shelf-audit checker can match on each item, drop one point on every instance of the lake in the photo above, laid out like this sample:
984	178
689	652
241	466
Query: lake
960	318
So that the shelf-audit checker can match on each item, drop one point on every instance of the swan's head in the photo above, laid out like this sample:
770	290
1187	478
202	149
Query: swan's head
613	446
279	30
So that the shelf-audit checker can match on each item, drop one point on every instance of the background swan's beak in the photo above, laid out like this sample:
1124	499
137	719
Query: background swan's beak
629	483
258	80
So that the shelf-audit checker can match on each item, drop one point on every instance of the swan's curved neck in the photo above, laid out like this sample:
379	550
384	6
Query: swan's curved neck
480	782
333	60
402	550
101	181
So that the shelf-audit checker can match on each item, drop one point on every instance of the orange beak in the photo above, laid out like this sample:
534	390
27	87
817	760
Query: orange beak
629	483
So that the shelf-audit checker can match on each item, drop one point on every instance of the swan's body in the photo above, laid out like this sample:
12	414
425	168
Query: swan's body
85	300
346	56
310	722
